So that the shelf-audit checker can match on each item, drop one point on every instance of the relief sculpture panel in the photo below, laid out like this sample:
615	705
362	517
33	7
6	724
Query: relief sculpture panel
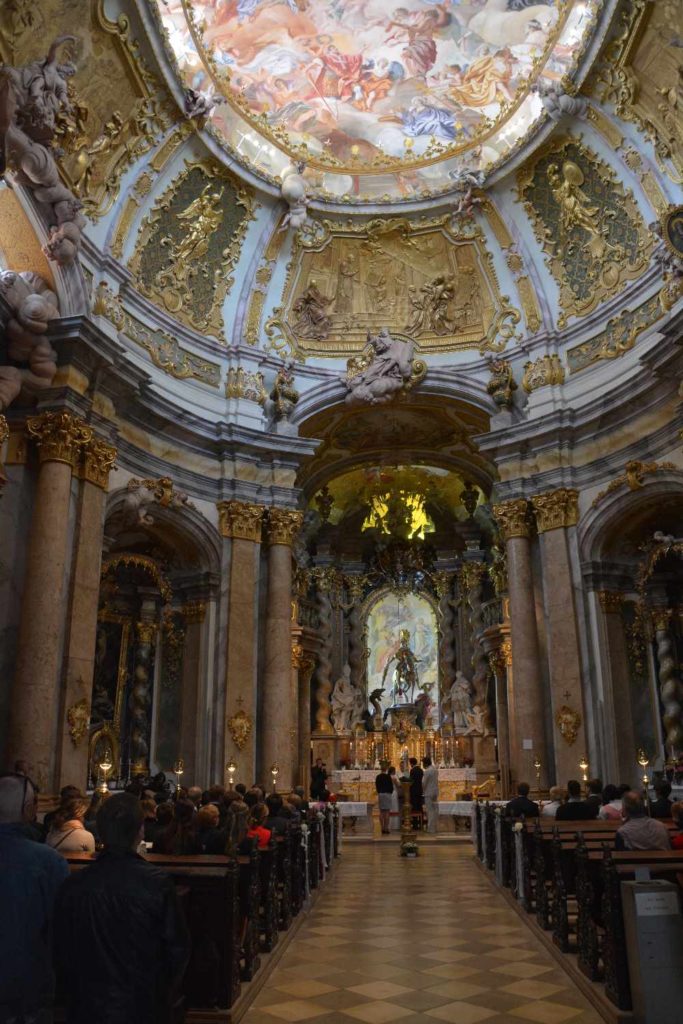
423	280
588	224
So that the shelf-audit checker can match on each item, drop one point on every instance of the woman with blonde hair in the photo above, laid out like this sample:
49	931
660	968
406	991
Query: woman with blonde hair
68	834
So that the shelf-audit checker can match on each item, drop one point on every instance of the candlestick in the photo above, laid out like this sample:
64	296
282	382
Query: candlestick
179	769
231	768
274	771
105	766
537	766
583	765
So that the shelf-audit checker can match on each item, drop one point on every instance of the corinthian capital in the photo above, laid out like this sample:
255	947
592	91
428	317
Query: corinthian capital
240	520
98	459
283	525
512	517
556	509
59	436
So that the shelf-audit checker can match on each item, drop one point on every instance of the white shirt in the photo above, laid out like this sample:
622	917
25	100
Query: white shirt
549	810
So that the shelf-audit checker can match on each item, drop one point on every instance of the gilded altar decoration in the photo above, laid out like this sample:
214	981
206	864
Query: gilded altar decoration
78	720
611	601
190	243
240	520
346	279
556	509
589	225
385	368
513	518
193	612
633	477
568	722
543	372
59	436
640	73
502	383
240	725
241	383
105	303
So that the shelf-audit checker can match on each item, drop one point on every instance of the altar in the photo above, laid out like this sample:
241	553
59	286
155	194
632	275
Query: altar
359	784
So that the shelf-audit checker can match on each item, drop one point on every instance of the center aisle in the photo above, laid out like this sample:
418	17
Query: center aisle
416	940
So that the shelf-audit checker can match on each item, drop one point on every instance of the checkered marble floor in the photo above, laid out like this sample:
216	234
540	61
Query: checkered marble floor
421	940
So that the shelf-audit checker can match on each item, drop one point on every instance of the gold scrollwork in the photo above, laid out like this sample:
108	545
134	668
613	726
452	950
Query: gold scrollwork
618	337
240	725
611	601
588	224
98	461
556	509
241	383
193	611
189	244
78	719
632	477
240	520
59	436
142	562
283	525
568	722
543	372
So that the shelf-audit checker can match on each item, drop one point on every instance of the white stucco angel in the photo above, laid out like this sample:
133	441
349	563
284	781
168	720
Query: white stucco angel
294	192
343	701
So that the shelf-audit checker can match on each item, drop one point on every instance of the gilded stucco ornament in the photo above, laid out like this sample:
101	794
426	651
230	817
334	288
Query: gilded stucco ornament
240	520
78	720
619	336
588	224
568	722
240	726
141	494
543	372
513	518
556	509
59	436
283	525
98	462
241	383
633	477
189	244
33	305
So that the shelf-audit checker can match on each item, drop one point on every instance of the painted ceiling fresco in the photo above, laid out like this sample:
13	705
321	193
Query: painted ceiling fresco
376	85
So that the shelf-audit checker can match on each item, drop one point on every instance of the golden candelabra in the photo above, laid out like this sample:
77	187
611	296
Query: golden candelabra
231	768
179	769
643	761
583	767
274	771
537	768
105	766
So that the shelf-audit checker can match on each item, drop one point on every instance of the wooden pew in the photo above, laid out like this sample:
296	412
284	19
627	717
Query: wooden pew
250	901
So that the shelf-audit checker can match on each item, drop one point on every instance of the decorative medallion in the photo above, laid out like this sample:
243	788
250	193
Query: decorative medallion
240	726
78	718
568	722
589	225
190	243
672	230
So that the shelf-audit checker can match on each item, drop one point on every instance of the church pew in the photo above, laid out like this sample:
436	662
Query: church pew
250	899
283	866
209	889
268	910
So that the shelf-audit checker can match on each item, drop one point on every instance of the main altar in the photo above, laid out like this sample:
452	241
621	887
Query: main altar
359	784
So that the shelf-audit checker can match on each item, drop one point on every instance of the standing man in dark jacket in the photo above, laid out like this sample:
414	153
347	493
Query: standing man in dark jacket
416	774
121	943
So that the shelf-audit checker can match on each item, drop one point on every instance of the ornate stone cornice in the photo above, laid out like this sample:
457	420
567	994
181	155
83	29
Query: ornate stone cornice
611	601
283	525
556	509
59	436
240	520
98	460
513	518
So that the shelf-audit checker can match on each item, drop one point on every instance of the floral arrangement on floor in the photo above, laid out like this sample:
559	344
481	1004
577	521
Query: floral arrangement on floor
409	849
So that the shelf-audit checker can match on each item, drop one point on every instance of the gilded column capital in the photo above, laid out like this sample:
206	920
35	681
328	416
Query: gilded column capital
661	619
283	525
193	611
555	510
443	583
59	436
98	460
145	632
497	661
240	520
506	650
4	429
611	601
513	518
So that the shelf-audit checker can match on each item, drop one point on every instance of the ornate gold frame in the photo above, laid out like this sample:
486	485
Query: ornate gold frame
316	236
213	323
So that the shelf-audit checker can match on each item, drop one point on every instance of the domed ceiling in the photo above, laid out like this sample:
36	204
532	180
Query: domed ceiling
382	100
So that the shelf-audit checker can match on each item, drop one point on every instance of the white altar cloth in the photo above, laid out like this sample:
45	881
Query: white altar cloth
354	809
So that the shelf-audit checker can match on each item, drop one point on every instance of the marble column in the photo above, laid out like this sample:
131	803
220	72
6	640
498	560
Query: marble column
498	668
303	664
618	716
193	613
528	740
278	713
471	577
242	523
140	700
79	656
557	511
356	587
670	687
59	438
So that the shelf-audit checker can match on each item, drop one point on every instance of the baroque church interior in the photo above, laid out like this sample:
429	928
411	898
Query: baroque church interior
341	425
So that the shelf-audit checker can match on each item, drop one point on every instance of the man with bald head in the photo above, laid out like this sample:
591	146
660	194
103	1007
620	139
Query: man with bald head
30	875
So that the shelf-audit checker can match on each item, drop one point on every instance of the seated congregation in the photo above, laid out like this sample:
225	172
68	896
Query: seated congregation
136	907
561	863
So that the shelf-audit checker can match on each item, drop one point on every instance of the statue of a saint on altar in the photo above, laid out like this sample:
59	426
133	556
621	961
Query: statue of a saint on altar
343	701
460	700
404	678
